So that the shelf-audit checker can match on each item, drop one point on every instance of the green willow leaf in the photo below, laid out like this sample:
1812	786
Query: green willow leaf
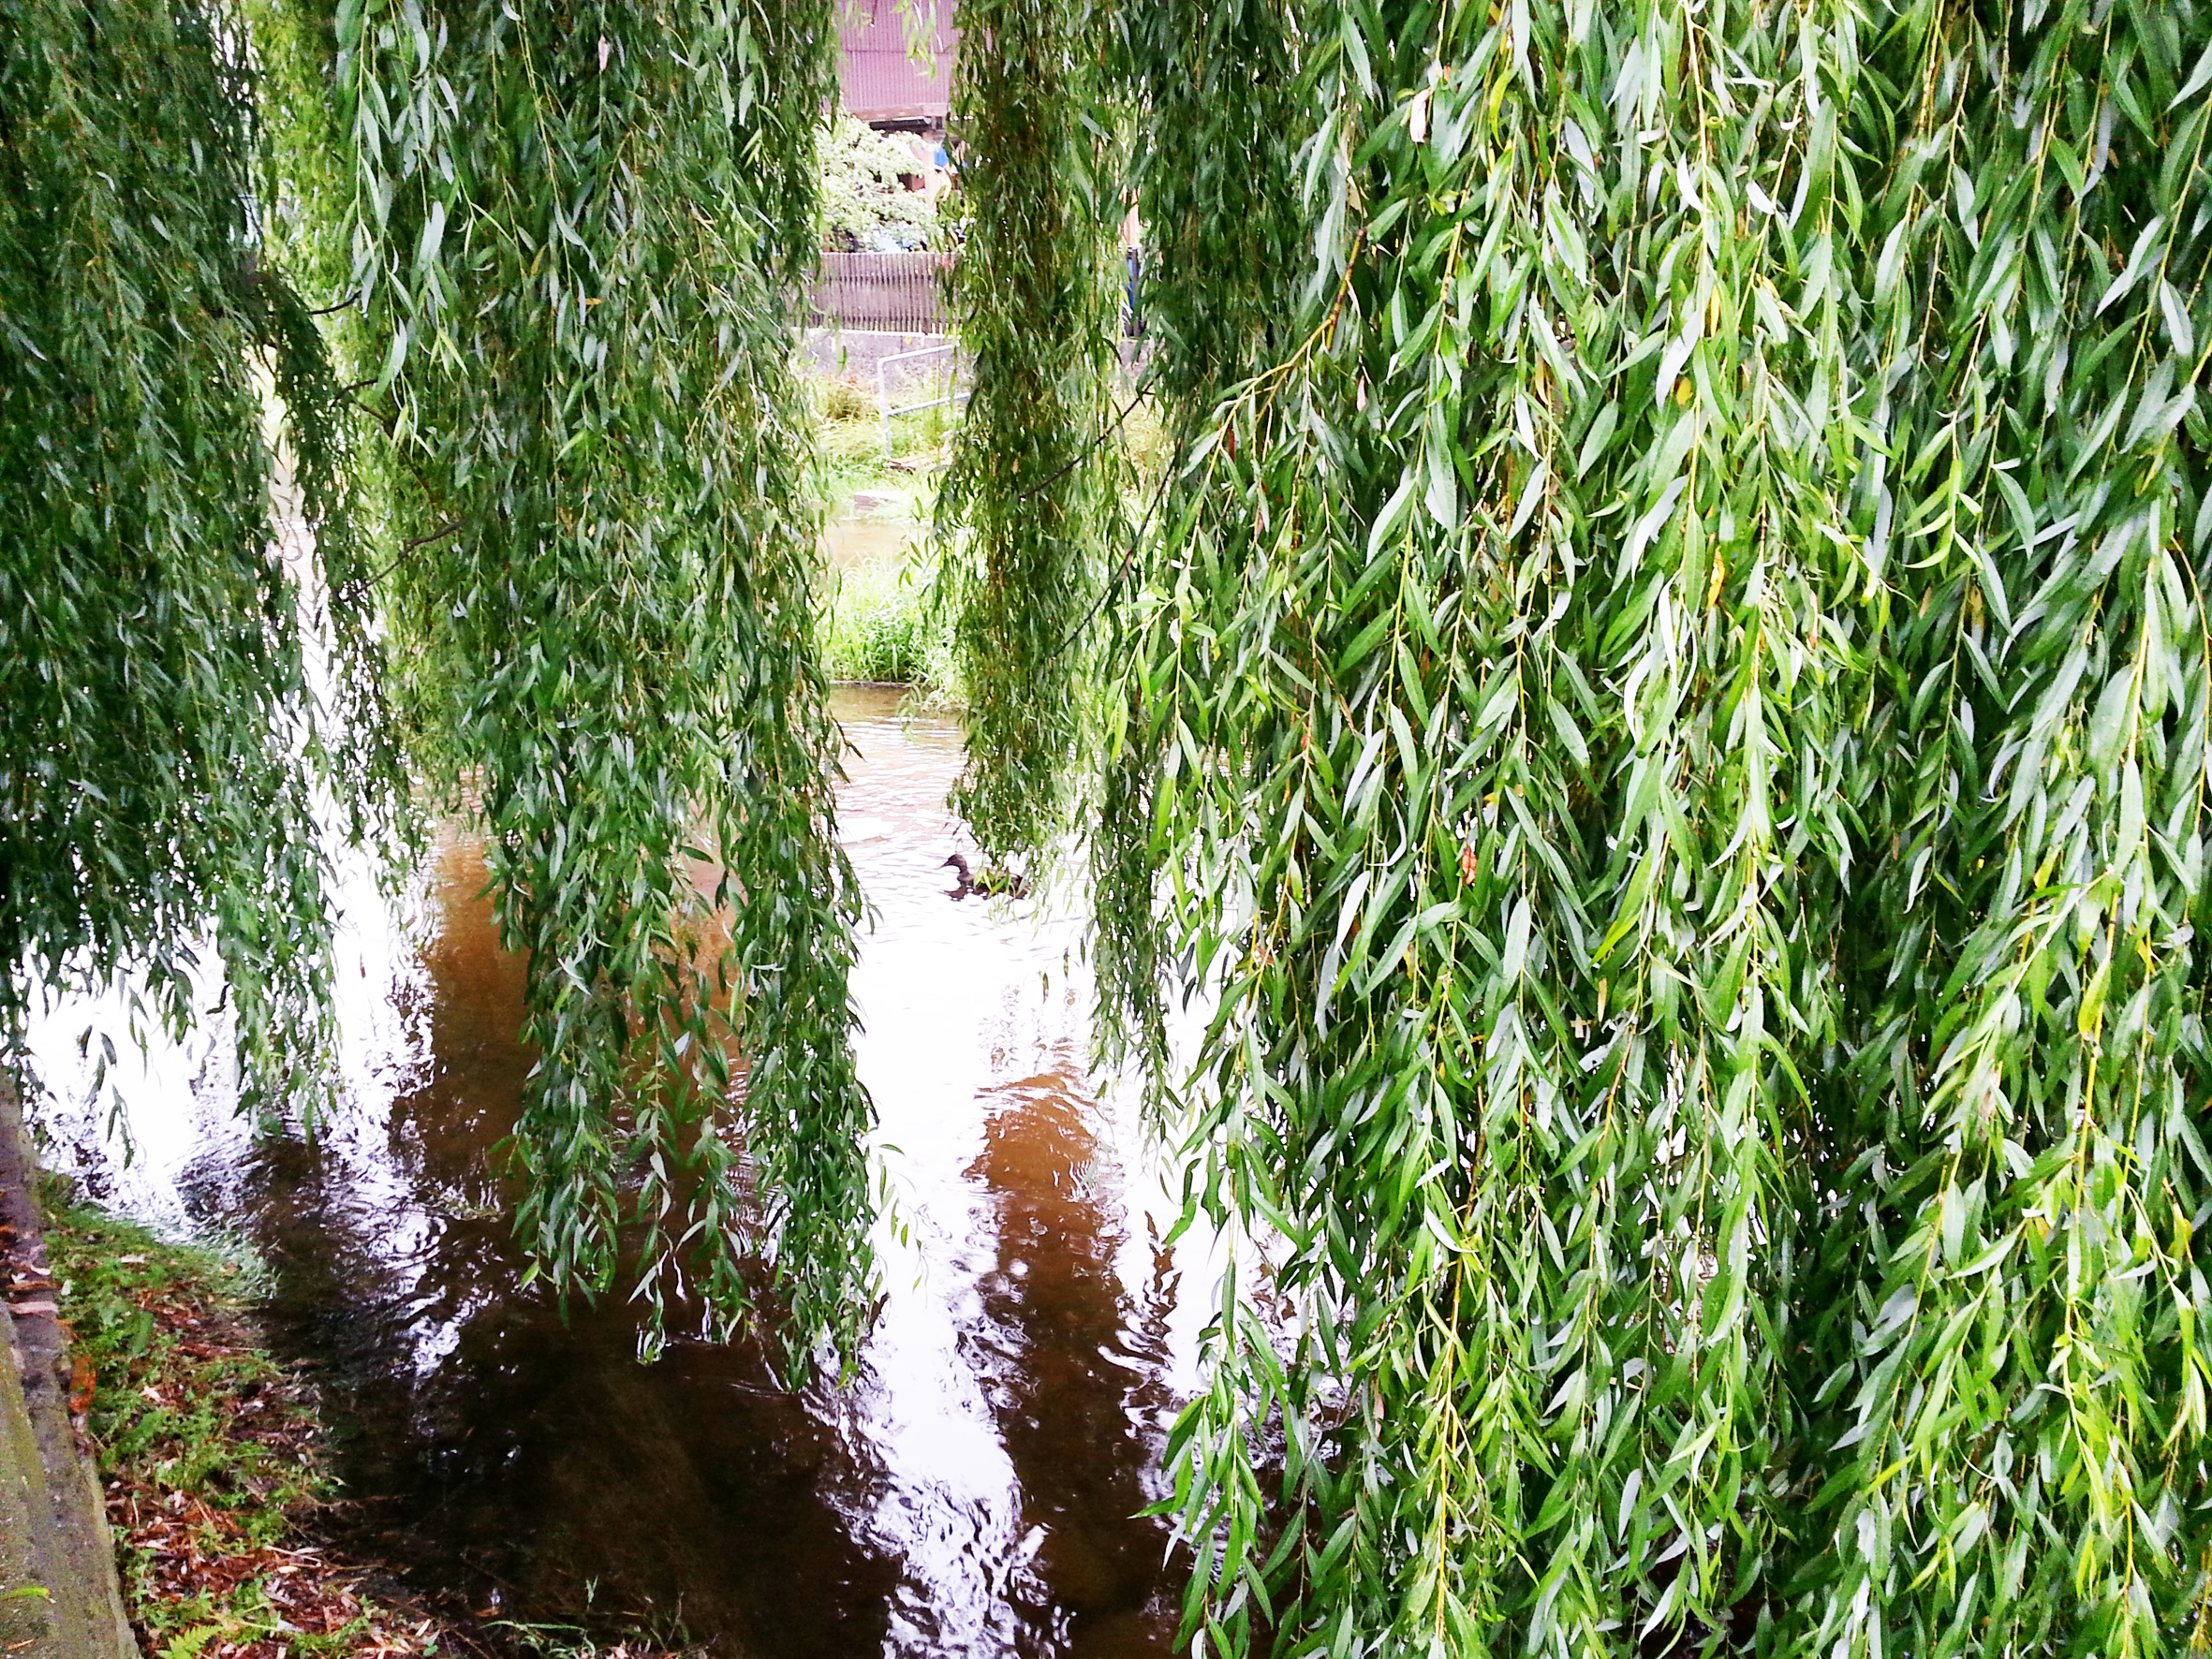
577	244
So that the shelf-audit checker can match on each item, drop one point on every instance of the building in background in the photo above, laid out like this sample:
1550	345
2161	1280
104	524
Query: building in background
893	91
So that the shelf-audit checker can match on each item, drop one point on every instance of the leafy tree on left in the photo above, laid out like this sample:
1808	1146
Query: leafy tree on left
158	739
557	247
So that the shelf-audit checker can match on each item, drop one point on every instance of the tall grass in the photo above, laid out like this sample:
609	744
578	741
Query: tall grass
848	430
880	623
877	619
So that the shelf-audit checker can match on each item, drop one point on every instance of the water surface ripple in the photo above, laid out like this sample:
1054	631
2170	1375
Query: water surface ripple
973	1491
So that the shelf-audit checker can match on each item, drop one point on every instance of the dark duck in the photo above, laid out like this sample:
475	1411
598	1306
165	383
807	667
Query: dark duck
991	883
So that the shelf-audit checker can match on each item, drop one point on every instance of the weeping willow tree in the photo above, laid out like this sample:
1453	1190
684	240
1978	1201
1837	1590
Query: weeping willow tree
577	239
1659	710
559	542
1211	93
1668	729
161	737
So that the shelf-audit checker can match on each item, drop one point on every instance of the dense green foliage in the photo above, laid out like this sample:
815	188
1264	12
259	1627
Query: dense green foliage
160	739
577	240
1027	510
1212	88
880	625
865	197
561	253
1661	706
1677	731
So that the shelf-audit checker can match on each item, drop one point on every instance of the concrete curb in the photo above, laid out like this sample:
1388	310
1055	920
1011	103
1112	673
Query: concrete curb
53	1526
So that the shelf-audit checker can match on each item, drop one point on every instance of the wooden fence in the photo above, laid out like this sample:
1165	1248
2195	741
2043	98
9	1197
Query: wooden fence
896	293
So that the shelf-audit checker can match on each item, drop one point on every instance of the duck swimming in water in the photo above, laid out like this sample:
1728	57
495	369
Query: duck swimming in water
992	883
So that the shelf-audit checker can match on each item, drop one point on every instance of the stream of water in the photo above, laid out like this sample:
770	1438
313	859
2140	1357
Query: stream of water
974	1490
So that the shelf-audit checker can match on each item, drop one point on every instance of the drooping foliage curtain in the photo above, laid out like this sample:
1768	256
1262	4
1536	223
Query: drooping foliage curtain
537	514
1026	512
161	734
1671	730
1658	709
577	237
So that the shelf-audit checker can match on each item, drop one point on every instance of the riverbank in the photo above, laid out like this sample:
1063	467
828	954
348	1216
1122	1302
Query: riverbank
877	621
229	1528
58	1597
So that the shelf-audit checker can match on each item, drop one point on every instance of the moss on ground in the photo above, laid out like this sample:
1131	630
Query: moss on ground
206	1445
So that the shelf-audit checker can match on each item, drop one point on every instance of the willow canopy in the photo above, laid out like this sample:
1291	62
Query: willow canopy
1655	715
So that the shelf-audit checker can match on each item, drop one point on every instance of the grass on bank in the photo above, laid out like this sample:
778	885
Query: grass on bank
850	430
211	1459
206	1445
880	622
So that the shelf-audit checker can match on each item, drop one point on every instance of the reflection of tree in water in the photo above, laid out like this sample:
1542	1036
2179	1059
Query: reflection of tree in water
490	1445
1072	1379
508	1445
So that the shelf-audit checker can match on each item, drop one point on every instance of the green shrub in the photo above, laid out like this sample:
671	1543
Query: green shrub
848	432
846	397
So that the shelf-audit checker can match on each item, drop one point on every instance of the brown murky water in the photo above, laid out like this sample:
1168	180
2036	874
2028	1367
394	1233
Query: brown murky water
975	1490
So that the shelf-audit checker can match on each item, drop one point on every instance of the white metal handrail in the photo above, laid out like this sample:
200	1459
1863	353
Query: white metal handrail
883	387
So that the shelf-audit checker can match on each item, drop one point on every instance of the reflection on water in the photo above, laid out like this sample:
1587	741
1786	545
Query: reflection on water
973	1491
1063	1362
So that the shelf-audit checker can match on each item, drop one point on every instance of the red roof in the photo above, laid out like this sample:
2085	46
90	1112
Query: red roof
881	83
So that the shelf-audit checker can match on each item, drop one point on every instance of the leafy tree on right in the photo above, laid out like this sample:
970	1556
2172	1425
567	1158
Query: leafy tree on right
1661	707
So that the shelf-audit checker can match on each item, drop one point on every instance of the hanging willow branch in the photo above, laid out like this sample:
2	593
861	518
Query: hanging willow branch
161	737
1213	89
577	236
1028	507
1672	727
1665	716
2019	1416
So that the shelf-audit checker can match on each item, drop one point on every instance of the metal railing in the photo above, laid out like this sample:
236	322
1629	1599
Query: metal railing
953	392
